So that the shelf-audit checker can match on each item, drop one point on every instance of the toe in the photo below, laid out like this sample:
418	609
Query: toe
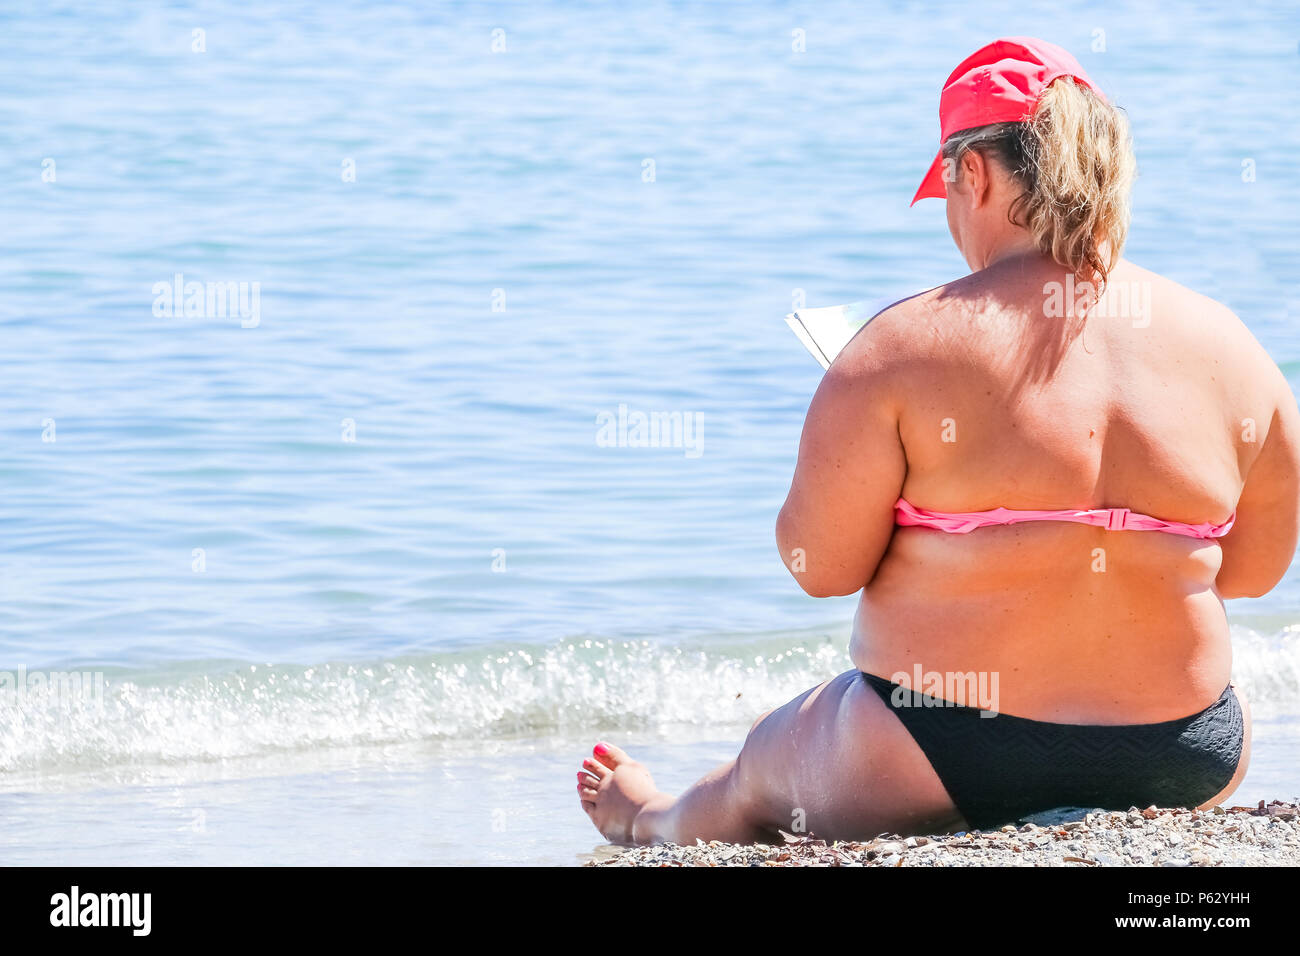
596	768
609	755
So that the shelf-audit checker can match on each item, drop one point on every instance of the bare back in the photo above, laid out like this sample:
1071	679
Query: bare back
1159	401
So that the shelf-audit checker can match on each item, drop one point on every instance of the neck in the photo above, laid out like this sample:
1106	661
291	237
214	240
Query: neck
1018	244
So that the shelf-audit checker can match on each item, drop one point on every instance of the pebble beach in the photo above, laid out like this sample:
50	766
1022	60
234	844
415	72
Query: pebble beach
1263	835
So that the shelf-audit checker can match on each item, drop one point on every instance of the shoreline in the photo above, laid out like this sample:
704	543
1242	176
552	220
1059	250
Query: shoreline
1263	835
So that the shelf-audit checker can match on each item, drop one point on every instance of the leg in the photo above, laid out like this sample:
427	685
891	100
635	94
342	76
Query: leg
834	762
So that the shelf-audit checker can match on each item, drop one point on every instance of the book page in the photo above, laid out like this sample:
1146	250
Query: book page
824	332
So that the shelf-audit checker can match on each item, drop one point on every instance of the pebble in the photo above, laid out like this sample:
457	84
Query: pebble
1265	835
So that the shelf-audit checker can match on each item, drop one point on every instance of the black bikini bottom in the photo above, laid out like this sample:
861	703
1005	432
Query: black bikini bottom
1000	769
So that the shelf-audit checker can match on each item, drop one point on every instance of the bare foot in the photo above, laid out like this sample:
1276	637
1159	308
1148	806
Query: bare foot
613	788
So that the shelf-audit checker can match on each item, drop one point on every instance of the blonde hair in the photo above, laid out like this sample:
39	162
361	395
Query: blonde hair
1074	160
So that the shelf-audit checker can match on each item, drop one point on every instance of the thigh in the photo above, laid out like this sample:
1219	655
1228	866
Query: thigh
837	759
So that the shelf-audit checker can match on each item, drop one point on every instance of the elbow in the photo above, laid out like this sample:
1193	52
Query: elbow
825	589
1230	587
793	556
1230	592
782	533
813	577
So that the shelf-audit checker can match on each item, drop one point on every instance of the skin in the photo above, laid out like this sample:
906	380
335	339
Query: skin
970	397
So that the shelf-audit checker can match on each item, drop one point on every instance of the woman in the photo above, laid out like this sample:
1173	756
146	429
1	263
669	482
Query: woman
1044	478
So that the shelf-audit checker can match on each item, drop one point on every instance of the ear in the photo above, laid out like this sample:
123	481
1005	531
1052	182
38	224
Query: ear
977	174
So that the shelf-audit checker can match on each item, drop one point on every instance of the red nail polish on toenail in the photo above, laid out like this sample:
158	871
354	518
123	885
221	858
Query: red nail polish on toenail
601	750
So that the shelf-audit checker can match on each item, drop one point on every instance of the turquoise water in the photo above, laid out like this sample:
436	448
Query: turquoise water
360	576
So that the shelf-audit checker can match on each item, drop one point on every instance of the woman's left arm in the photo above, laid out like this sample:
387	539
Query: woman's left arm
839	515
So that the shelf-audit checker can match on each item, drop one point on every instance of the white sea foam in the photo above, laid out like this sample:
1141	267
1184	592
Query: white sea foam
579	686
1267	670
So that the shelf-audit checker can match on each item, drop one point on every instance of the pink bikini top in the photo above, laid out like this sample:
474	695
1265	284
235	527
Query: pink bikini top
1112	519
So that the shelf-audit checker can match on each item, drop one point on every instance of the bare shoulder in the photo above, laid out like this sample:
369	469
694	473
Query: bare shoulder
1191	309
895	337
1211	326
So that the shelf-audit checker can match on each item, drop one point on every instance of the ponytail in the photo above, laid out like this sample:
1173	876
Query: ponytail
1074	160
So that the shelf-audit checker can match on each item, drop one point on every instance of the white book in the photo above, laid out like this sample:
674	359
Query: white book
824	332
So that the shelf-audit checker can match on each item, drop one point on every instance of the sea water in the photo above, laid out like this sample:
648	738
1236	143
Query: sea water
312	315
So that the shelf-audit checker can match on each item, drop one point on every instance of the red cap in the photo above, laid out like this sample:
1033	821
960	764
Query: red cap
998	83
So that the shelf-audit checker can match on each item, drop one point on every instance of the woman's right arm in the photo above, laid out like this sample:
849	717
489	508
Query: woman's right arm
1258	550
